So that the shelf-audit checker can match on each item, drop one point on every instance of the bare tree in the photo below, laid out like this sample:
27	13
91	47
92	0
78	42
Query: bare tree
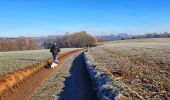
18	44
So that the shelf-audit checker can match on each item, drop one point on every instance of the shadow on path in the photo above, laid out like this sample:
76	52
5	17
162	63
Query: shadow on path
78	85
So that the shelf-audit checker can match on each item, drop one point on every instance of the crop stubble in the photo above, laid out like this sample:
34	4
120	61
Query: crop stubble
144	66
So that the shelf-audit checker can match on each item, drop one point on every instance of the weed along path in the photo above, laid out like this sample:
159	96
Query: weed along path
78	86
30	85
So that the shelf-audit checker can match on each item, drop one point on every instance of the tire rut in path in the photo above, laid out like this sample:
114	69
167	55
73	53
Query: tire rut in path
78	85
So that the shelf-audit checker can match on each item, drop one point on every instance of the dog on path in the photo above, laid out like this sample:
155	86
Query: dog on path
54	51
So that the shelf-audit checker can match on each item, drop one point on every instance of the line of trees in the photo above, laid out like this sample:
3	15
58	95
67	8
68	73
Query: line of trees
18	44
77	40
74	40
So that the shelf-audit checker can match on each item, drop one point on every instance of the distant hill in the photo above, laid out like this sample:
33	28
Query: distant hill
119	36
5	38
122	36
40	40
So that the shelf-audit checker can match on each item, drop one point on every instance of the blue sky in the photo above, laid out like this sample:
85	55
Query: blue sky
55	17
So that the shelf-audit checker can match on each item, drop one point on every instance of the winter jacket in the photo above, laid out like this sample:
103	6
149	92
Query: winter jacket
54	50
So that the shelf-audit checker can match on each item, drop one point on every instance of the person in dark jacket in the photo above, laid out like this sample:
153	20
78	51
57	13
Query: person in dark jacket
54	50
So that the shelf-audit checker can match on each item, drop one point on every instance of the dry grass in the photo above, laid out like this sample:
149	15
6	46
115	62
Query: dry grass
144	65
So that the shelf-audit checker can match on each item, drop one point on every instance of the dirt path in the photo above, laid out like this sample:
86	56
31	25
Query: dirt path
78	85
31	84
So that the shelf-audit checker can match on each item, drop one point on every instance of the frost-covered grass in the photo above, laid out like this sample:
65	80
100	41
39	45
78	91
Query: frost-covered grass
144	64
106	88
13	60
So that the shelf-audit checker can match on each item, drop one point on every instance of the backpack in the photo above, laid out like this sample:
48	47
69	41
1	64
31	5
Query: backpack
51	50
58	49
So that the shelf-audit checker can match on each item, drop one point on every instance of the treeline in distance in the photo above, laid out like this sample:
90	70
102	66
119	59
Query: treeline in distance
73	40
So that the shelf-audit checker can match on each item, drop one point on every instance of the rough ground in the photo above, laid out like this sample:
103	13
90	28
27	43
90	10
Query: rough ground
71	82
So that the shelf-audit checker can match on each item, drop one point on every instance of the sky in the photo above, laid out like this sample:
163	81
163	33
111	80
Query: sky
56	17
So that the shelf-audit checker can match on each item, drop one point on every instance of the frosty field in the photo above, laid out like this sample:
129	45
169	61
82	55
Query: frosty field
14	60
143	64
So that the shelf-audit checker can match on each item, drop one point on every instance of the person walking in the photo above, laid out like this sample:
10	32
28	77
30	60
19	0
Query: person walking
54	51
